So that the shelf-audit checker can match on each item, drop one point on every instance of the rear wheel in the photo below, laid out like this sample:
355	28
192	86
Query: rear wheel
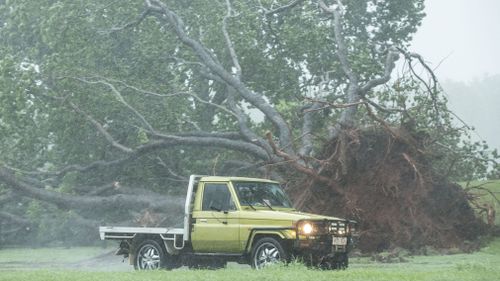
150	255
267	251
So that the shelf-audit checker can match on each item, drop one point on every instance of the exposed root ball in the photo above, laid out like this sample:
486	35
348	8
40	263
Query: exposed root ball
386	183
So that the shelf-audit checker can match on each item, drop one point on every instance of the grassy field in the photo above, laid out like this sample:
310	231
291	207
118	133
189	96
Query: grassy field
482	265
81	264
48	255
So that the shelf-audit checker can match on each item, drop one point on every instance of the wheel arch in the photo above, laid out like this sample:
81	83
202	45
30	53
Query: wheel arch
281	234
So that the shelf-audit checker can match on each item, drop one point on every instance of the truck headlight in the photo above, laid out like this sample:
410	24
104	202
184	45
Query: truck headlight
306	228
341	231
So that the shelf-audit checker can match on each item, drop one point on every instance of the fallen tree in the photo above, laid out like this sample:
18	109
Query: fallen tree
103	132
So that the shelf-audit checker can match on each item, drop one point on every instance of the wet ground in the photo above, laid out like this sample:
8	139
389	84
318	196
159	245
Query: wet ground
104	260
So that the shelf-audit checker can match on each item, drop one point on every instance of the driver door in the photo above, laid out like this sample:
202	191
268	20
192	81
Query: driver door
216	224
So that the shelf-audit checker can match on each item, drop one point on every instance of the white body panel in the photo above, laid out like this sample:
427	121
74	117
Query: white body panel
118	232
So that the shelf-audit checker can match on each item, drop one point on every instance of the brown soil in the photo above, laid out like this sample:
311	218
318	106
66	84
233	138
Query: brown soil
386	183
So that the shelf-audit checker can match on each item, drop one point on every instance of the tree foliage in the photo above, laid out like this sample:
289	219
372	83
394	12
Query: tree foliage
104	100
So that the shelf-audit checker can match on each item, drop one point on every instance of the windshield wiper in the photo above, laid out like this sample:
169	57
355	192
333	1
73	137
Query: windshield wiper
248	203
267	204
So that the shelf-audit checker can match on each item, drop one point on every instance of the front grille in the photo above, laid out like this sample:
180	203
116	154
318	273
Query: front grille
337	228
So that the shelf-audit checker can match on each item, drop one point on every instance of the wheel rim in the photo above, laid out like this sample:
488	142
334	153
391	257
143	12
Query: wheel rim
148	258
266	254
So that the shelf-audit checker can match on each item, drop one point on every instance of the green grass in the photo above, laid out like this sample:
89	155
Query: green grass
482	265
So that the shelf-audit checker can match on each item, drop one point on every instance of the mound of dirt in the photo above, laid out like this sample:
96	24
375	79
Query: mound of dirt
385	181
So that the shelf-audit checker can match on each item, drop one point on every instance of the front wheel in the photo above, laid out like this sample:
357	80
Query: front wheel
267	251
339	261
149	256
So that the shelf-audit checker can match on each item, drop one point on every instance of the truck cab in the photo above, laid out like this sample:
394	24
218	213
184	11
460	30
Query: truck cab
247	220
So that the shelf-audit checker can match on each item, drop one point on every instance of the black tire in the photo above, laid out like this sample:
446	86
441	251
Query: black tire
339	261
342	261
151	255
267	251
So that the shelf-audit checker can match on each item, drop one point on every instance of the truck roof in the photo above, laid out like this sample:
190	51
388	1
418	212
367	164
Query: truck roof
219	179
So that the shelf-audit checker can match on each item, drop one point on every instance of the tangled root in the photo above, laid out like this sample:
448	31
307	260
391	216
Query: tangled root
389	187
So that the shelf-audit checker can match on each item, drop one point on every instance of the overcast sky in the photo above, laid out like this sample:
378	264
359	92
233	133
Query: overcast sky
466	33
463	38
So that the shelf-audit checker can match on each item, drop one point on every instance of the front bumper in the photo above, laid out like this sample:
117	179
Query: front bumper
330	237
322	245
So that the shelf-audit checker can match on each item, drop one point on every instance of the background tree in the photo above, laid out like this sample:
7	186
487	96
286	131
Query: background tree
105	105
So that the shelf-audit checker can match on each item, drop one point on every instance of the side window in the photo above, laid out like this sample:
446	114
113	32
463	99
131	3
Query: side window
216	196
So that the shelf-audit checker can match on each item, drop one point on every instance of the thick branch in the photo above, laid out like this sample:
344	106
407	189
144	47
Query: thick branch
229	43
237	145
342	52
72	202
229	140
308	121
14	218
295	163
245	131
163	13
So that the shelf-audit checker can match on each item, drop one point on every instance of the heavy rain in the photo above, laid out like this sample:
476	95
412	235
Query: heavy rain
231	139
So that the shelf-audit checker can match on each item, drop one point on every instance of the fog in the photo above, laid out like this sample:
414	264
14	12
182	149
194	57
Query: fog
461	40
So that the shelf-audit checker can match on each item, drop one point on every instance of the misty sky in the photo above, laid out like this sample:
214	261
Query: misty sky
463	32
462	39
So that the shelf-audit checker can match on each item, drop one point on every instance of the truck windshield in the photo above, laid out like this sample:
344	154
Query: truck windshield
261	194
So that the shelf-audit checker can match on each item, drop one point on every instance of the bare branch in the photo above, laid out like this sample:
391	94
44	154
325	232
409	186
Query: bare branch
176	176
120	98
283	8
384	109
133	23
432	91
327	104
213	104
101	129
203	134
390	63
482	188
229	43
